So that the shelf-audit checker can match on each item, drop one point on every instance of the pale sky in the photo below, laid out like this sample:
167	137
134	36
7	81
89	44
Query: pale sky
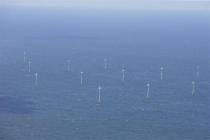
114	4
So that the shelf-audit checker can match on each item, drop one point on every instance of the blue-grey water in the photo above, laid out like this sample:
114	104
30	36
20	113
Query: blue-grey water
59	108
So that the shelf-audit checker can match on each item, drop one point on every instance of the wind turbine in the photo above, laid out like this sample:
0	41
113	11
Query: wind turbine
148	89
123	74
81	77
29	66
99	94
193	88
36	78
161	72
24	56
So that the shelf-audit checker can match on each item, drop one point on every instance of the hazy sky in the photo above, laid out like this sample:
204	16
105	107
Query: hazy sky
121	4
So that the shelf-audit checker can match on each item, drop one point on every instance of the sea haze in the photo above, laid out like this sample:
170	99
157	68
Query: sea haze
59	108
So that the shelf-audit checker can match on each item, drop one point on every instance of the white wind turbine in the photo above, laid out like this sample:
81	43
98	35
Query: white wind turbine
29	66
148	89
24	56
123	74
36	78
193	88
99	94
161	72
81	77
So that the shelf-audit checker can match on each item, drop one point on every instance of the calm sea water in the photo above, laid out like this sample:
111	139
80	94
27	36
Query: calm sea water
59	108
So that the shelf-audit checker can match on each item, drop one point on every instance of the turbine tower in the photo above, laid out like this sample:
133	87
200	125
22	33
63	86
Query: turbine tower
81	77
123	74
36	78
24	57
29	66
148	89
193	88
99	94
161	72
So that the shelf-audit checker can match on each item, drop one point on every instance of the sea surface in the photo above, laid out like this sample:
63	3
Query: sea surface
141	42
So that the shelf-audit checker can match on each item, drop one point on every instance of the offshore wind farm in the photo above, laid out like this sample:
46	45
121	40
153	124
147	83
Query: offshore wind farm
103	76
